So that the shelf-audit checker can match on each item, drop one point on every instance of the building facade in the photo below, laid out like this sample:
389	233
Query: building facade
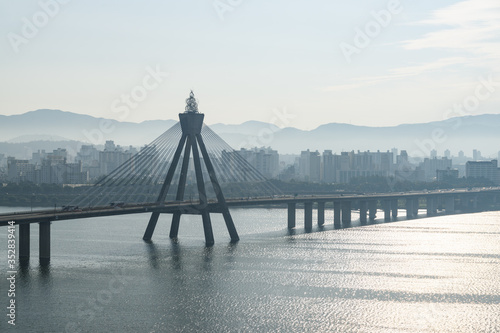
483	169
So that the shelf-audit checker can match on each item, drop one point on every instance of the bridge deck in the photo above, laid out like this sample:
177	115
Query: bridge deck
188	207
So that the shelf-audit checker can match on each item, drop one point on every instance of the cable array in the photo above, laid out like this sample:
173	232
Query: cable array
140	178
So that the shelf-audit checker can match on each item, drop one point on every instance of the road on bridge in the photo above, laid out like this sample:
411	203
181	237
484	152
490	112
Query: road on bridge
187	206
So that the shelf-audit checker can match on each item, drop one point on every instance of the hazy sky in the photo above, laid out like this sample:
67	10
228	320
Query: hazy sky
245	59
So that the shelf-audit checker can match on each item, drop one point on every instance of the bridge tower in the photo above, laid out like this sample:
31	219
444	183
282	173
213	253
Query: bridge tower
191	141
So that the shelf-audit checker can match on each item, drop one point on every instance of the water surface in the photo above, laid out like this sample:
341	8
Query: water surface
426	275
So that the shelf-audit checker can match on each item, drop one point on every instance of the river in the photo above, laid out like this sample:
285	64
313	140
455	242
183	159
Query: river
437	274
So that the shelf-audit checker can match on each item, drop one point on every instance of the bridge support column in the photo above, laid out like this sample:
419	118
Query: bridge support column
409	208
416	206
372	207
464	203
44	242
164	190
176	218
321	213
386	205
174	227
24	241
346	212
336	214
363	207
431	206
394	207
291	215
151	227
308	215
450	205
205	215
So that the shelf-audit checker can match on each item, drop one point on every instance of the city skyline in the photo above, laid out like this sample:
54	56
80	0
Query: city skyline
410	62
113	162
234	165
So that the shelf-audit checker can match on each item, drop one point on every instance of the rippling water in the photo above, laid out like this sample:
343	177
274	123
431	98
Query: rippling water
427	275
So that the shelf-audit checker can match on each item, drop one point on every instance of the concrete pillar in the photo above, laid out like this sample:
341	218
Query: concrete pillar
409	208
308	215
321	213
416	206
363	207
464	203
24	241
346	211
336	214
44	242
431	205
394	207
291	215
386	206
449	205
372	207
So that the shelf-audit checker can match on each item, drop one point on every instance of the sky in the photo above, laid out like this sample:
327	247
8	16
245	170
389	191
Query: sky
363	62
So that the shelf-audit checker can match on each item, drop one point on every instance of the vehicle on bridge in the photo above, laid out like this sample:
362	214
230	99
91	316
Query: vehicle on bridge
71	209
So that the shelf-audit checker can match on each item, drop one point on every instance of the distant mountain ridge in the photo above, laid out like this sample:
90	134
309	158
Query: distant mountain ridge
78	127
462	133
35	137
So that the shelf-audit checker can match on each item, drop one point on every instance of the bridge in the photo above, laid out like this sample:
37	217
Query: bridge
143	183
367	205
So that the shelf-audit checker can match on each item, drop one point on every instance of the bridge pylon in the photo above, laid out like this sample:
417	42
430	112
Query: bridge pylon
191	141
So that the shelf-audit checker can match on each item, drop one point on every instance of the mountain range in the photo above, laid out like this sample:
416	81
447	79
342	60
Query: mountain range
462	133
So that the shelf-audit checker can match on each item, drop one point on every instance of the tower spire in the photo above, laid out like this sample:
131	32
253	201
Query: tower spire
191	104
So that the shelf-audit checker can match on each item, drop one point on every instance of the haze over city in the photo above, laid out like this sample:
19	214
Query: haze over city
250	166
377	63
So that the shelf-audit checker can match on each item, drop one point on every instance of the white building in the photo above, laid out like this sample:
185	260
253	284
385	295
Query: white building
483	169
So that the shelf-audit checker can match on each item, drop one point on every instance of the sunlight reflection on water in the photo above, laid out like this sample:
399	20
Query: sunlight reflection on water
425	275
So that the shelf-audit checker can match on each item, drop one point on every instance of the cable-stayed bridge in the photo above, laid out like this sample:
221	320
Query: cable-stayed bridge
189	169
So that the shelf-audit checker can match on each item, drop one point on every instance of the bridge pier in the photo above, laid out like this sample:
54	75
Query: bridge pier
372	207
409	208
386	206
151	227
465	203
416	206
474	203
394	207
308	211
291	215
363	207
44	242
24	241
431	206
336	214
321	213
346	211
174	227
450	205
